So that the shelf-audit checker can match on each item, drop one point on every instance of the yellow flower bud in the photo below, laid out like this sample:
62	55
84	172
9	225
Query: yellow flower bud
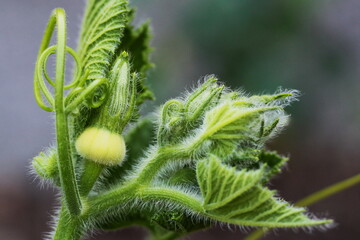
101	146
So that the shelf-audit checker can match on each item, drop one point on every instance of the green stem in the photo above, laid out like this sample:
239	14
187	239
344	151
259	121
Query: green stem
138	186
102	203
91	173
158	160
183	199
314	198
328	191
68	227
65	163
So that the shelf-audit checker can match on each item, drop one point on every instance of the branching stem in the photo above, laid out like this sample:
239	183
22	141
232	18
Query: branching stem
68	227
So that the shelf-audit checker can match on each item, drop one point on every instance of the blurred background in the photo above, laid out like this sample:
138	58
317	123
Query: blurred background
257	45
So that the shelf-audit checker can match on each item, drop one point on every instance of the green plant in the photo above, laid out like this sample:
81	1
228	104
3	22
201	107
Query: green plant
201	160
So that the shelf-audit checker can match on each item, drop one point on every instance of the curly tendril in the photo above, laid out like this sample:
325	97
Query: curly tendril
57	102
41	73
92	94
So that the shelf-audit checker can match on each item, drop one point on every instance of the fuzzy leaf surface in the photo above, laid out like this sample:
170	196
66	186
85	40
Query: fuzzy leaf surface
237	197
103	27
228	124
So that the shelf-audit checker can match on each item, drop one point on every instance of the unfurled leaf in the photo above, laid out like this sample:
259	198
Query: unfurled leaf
229	124
238	197
101	33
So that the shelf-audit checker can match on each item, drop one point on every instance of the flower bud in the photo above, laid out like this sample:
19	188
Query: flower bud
119	107
101	146
102	141
45	165
203	98
180	116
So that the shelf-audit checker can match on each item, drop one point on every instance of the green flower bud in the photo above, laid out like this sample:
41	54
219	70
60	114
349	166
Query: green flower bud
45	165
102	142
179	117
207	95
119	108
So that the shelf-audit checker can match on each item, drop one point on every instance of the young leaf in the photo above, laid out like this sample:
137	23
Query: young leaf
250	158
102	30
237	197
228	125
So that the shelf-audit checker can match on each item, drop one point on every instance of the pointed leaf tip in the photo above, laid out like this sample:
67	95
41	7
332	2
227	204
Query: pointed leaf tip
238	197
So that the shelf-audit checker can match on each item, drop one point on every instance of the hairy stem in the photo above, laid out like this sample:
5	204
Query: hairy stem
328	191
102	203
162	156
68	227
65	163
159	193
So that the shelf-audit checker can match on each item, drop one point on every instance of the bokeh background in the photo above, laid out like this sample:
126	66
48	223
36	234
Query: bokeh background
257	45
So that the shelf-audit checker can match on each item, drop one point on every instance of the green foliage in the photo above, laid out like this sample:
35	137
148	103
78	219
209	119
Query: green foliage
45	165
103	28
201	160
273	163
136	41
238	197
106	33
181	116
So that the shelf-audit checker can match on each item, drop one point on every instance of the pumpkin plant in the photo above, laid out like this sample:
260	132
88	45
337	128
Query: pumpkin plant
200	160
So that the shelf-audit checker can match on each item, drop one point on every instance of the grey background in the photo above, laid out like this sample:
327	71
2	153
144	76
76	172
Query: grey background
323	138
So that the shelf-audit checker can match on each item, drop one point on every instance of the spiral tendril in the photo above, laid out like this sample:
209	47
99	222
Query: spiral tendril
41	75
93	94
172	105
